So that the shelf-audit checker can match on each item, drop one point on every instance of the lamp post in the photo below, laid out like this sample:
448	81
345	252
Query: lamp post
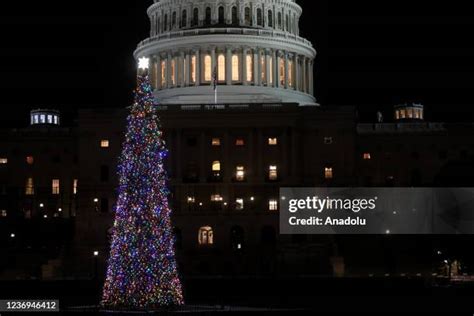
96	264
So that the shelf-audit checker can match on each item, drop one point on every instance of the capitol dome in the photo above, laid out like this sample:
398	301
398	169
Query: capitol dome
251	47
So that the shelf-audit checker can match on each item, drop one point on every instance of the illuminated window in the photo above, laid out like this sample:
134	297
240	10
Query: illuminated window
249	65
240	173
239	142
193	69
417	114
163	73
216	166
173	71
273	205
282	71
42	119
263	68
104	143
30	187
328	173
402	114
3	213
50	119
216	198
216	142
3	161
55	186
397	114
367	156
191	200
273	141
221	68
273	173
207	68
239	204
235	68
206	236
410	113
74	186
290	73
30	160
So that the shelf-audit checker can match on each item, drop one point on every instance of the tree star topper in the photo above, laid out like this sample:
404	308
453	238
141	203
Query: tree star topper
144	63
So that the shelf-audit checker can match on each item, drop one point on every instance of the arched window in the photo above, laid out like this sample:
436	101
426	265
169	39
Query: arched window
195	20
249	64
235	18
248	16
173	20
259	17
207	68
206	236
221	68
208	16
166	23
270	18
235	68
279	20
184	18
216	166
158	26
221	15
287	23
237	238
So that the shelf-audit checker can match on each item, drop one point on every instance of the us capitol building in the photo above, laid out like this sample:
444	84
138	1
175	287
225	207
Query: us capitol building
228	157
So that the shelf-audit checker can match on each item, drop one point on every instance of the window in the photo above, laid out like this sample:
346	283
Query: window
30	160
239	204
173	20
207	21
216	198
184	18
104	143
235	19
273	205
193	69
273	141
163	73
240	173
3	213
166	22
216	142
206	236
259	17
235	68
279	20
191	200
221	68
248	18
282	72
216	166
3	161
270	18
249	65
55	187
207	68
221	15
195	20
287	23
328	173
239	142
273	173
367	156
74	186
29	188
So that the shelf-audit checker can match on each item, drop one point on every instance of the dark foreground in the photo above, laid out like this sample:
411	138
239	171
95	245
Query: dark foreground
209	296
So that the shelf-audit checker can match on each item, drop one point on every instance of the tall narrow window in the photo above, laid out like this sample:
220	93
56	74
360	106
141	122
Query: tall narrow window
270	18
74	186
290	73
239	204
173	20
195	20
282	72
273	173
259	17
273	205
249	65
193	69
208	16
328	173
206	236
166	22
221	68
235	18
235	68
163	73
240	173
207	68
248	17
216	167
184	18
30	187
221	15
105	143
55	187
279	20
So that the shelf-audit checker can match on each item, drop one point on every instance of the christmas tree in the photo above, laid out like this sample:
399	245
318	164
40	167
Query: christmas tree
142	271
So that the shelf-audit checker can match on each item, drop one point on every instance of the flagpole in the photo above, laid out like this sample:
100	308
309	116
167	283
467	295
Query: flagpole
215	95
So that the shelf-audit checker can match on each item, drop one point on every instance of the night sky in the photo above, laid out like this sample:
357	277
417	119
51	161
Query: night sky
372	54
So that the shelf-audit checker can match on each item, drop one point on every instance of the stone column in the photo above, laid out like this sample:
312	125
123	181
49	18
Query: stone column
274	67
287	71
176	70
256	62
158	72
187	67
277	82
311	77
259	68
228	66
182	70
304	85
198	67
267	66
213	61
297	72
244	66
168	70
